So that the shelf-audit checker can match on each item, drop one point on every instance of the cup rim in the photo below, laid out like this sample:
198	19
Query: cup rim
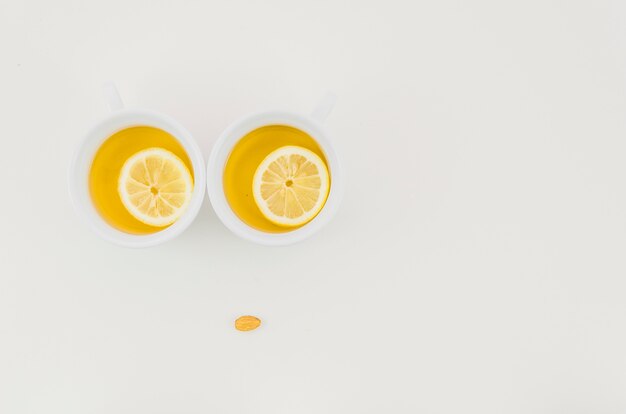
221	151
83	156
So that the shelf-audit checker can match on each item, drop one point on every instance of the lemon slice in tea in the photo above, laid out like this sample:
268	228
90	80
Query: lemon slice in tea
155	186
291	185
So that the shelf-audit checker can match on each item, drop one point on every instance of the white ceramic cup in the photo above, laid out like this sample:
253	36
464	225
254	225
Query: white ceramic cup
312	125
119	119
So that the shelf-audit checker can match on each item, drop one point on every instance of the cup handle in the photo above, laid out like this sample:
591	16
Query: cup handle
112	97
324	107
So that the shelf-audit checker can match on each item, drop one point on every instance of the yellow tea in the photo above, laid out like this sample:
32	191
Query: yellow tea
243	162
108	163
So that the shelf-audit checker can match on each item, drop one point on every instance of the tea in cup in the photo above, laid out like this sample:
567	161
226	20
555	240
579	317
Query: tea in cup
138	177
274	177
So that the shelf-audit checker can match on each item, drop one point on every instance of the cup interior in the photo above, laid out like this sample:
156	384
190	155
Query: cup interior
219	157
84	156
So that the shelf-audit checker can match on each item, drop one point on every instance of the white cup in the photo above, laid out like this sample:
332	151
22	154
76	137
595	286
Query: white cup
120	119
312	125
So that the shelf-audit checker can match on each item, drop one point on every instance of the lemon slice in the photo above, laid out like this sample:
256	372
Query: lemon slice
291	186
155	186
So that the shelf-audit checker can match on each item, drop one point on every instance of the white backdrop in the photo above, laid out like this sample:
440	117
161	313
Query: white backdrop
476	265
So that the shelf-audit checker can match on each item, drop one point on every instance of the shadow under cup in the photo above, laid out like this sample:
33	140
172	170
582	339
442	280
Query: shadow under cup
247	154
